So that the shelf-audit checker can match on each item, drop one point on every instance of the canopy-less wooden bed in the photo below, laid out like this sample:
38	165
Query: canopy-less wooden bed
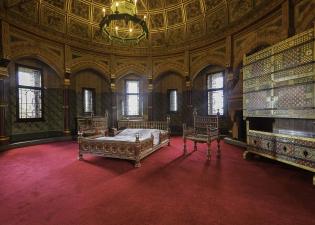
137	140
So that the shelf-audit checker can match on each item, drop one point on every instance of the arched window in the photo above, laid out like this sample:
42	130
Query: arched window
215	89
132	98
29	93
173	101
88	96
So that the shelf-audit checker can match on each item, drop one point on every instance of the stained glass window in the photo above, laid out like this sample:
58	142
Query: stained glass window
173	100
88	100
215	93
132	98
30	93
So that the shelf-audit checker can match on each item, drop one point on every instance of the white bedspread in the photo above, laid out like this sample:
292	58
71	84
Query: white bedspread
130	135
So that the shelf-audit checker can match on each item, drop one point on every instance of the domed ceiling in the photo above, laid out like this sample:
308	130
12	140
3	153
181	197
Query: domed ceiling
171	22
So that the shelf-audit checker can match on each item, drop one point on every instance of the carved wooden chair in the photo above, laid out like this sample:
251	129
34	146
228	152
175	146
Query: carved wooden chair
205	129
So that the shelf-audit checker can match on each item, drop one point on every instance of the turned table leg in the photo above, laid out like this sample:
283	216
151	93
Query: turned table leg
185	147
137	164
195	145
209	151
246	155
80	156
219	148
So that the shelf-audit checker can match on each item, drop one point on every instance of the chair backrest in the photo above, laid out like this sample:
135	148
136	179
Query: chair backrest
161	125
202	123
96	123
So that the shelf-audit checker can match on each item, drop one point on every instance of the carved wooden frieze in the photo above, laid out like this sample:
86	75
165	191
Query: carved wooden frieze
5	40
27	10
80	8
58	3
172	2
97	14
196	29
239	8
175	36
157	39
304	15
166	64
104	2
99	37
216	20
157	21
193	9
209	54
53	19
174	16
211	4
202	20
157	4
79	29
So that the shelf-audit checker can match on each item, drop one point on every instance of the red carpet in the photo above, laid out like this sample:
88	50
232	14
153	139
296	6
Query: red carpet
45	184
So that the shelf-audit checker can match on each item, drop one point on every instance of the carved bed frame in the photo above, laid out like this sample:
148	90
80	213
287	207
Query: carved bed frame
134	151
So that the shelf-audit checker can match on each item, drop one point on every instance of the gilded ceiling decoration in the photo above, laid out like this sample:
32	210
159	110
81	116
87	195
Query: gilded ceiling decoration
170	22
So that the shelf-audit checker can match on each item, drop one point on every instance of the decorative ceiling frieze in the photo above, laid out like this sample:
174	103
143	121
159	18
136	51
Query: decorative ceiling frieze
171	22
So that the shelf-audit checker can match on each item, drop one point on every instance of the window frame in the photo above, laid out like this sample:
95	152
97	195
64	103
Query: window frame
93	100
18	119
169	100
215	89
125	99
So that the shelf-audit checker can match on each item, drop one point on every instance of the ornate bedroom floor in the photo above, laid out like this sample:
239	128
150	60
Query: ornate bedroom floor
45	184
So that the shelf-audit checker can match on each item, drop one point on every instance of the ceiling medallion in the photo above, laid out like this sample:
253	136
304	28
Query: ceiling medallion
123	24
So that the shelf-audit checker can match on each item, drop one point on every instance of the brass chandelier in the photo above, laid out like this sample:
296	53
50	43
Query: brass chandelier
123	24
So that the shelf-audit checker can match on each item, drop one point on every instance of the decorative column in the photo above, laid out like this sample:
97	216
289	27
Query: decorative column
66	111
288	18
189	104
113	101
4	138
150	99
189	92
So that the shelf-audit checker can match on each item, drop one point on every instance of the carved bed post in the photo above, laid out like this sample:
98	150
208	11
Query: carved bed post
137	151
209	143
106	123
194	117
168	121
218	139
152	137
80	136
184	137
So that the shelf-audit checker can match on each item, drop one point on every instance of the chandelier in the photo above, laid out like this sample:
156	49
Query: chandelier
123	24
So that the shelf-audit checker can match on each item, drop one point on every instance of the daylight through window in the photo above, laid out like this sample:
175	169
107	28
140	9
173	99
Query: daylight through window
215	93
132	98
88	100
173	100
30	93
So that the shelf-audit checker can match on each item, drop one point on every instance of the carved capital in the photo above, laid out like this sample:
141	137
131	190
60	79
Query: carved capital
4	68
150	87
68	70
4	62
113	87
66	82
